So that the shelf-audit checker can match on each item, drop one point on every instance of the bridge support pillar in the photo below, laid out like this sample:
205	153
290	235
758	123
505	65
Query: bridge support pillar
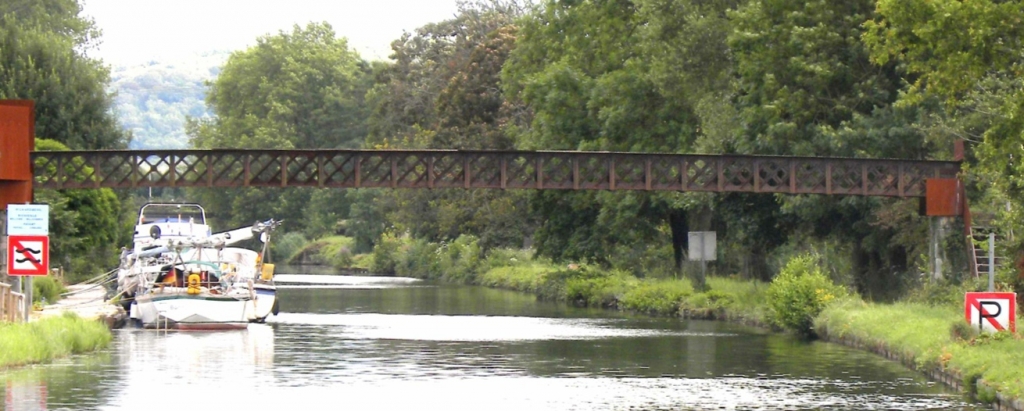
17	126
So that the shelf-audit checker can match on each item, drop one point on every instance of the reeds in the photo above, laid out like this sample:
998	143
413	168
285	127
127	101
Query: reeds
49	338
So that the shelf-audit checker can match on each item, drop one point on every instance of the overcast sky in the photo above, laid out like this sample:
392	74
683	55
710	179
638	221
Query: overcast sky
136	31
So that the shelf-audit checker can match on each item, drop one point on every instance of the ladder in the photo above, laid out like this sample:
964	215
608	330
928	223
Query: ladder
978	235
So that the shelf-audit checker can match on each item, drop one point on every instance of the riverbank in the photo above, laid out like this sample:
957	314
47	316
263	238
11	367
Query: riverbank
930	338
49	338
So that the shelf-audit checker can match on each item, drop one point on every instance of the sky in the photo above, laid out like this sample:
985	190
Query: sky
137	31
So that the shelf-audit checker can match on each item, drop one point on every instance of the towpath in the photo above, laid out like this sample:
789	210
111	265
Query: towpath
87	301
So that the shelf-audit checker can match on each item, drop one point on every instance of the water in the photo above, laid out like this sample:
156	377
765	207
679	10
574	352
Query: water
381	344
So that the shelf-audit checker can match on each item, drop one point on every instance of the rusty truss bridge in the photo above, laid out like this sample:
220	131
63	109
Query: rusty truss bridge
545	170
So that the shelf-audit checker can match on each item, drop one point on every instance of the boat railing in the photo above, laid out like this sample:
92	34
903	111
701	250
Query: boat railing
12	304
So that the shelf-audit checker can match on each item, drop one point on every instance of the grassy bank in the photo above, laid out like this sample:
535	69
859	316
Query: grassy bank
933	335
43	340
462	262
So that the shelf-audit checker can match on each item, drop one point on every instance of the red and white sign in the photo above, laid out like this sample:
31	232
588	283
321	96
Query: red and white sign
28	255
991	312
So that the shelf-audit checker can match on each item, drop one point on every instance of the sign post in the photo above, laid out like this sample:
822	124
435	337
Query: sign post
702	248
991	312
28	245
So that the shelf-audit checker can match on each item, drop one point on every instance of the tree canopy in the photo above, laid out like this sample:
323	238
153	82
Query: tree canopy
43	57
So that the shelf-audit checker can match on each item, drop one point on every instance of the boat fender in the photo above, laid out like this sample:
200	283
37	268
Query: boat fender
275	308
193	284
155	232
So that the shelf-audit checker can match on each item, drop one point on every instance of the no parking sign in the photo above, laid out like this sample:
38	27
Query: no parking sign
991	312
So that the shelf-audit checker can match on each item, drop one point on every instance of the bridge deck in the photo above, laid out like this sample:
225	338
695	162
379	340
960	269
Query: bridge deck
546	170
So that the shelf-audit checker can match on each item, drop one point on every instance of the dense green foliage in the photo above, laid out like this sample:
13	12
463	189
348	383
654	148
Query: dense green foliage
84	226
43	57
799	293
43	340
298	89
46	289
334	251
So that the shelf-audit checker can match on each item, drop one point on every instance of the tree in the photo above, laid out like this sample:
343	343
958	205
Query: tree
442	90
84	226
582	71
302	89
43	57
802	71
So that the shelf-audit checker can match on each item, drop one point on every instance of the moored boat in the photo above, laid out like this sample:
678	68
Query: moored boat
179	275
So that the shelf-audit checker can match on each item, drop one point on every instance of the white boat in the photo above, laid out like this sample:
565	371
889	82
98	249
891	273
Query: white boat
180	275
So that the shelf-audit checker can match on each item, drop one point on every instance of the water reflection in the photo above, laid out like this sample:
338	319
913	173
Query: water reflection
422	346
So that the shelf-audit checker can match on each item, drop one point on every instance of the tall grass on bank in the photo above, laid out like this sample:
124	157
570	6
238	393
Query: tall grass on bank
933	336
49	338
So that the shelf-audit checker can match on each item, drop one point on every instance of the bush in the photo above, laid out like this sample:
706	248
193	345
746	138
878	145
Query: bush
417	258
46	289
460	259
799	293
287	245
598	289
507	257
385	254
657	296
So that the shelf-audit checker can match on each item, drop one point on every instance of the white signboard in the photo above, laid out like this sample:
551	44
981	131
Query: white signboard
28	219
702	246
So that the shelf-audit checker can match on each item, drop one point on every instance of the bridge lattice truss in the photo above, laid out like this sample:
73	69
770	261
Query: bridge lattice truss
545	170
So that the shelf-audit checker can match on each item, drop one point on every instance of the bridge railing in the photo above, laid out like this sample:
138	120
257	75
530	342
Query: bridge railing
566	170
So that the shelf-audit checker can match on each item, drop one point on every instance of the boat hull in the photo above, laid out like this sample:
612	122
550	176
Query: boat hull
179	310
263	305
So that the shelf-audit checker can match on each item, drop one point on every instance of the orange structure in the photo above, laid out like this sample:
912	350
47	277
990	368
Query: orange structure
17	140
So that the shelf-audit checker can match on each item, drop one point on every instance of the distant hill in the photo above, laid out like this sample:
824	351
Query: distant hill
153	99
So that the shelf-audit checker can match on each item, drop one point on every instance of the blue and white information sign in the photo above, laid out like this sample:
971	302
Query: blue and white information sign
28	219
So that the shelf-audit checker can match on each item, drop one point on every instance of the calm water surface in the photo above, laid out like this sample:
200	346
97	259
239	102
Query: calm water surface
382	344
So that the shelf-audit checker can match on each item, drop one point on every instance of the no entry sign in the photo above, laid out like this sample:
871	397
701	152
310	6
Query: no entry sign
28	255
991	312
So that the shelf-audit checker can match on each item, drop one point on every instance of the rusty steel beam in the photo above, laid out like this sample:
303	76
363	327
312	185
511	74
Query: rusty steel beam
547	170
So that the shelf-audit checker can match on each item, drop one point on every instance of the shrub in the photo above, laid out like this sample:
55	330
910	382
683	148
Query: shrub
657	296
598	289
46	288
799	293
285	247
417	258
385	254
507	257
460	259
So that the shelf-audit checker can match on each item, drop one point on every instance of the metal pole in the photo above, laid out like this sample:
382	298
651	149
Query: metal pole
28	299
931	247
938	254
991	262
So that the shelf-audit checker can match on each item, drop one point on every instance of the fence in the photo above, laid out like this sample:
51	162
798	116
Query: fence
12	304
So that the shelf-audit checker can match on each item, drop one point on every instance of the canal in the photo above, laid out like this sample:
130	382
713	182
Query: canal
385	343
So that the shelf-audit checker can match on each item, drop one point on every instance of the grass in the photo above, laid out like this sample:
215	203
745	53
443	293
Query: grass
43	340
933	336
